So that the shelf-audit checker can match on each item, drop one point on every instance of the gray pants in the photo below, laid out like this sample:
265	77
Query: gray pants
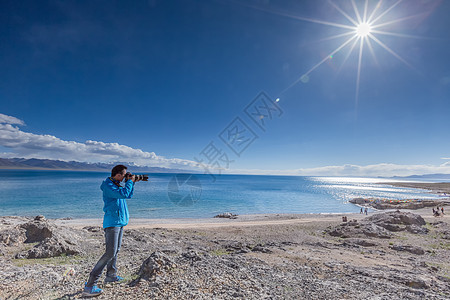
113	239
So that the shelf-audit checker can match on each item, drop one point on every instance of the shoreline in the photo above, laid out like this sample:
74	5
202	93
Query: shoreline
241	220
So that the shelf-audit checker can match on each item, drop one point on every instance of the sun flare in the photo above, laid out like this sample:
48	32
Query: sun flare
363	29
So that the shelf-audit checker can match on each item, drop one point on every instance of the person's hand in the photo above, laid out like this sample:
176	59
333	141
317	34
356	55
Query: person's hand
132	178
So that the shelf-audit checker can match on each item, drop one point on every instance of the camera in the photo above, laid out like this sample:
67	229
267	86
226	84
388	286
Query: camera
137	177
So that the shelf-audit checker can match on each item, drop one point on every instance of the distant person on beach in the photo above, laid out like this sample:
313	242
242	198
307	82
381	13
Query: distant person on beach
442	209
365	210
361	211
115	218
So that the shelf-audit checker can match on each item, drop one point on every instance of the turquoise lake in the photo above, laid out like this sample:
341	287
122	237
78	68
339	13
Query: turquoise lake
61	194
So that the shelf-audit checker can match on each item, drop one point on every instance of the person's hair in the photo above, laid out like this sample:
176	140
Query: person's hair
117	170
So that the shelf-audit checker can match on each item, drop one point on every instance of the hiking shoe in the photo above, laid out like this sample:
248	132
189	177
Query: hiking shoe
91	291
113	279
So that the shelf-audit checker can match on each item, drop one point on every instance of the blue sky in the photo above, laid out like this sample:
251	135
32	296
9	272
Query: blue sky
155	82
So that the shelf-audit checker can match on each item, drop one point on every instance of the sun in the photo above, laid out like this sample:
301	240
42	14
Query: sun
363	29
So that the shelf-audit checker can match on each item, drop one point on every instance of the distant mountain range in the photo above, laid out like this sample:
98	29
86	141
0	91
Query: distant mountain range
48	164
425	176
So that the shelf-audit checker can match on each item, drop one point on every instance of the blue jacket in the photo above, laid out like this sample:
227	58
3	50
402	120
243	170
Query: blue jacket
115	208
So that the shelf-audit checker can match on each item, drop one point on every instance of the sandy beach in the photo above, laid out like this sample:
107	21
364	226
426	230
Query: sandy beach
241	221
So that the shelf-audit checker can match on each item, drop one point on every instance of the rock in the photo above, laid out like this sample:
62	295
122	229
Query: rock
261	248
443	278
92	228
416	229
226	215
417	283
53	241
394	221
322	245
359	242
241	251
411	249
54	277
392	227
50	247
333	264
336	232
12	236
397	217
39	218
439	224
374	230
380	225
191	255
37	231
237	247
154	264
395	204
358	201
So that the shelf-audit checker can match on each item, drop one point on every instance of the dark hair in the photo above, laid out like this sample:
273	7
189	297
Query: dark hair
117	170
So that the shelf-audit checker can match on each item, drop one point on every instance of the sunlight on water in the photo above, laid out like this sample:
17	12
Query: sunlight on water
365	187
361	180
344	188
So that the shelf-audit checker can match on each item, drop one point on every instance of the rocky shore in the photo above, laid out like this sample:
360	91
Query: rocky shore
440	188
392	255
398	204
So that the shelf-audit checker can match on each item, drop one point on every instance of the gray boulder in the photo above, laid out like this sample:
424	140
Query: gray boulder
416	229
380	225
261	248
12	236
39	218
37	231
446	235
52	240
411	249
399	221
227	215
396	217
359	242
50	247
93	228
154	264
191	256
363	230
373	230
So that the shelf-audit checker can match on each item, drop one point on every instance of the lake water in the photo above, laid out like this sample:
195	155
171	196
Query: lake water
59	194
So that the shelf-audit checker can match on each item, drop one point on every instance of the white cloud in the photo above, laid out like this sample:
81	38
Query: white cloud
4	119
30	145
375	170
382	169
